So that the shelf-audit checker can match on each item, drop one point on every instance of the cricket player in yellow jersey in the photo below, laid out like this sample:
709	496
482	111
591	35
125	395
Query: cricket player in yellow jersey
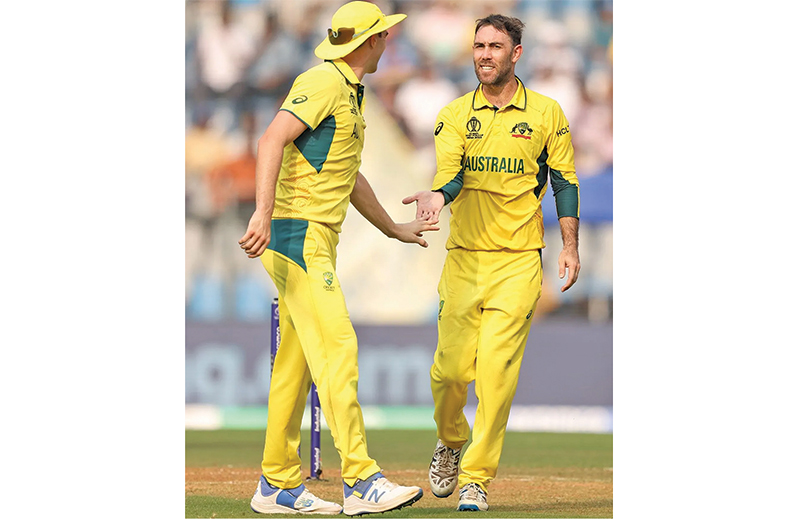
306	175
497	148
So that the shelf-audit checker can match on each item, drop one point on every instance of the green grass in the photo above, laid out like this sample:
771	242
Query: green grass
545	475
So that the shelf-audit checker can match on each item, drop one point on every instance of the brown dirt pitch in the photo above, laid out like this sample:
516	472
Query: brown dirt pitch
571	493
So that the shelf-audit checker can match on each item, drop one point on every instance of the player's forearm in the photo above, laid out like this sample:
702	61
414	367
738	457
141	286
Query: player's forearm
267	169
284	129
450	189
365	201
569	229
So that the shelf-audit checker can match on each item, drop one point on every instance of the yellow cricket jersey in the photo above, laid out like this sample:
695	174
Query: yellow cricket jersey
494	166
320	167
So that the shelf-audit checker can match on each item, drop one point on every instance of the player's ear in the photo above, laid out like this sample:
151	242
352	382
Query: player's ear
518	50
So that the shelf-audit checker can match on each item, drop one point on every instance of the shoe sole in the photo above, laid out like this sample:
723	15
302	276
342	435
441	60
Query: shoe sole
432	489
441	496
279	509
397	507
469	508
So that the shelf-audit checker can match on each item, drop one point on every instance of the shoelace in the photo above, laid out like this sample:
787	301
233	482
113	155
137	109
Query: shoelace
385	483
473	492
446	460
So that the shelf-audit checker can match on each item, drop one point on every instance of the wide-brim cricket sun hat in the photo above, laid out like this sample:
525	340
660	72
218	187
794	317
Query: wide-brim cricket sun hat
352	24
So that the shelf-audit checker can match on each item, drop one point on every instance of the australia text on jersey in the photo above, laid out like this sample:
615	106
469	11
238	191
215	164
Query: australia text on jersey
493	164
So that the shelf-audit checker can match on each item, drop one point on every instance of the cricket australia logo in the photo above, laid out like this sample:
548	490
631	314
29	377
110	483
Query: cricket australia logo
353	103
328	279
473	126
522	130
440	310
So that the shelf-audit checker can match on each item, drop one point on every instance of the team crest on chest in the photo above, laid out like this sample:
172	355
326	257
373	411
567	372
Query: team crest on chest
521	130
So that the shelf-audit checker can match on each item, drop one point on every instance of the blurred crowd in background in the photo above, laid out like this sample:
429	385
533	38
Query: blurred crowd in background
242	57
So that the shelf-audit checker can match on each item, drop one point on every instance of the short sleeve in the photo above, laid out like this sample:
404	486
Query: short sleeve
313	97
559	147
449	149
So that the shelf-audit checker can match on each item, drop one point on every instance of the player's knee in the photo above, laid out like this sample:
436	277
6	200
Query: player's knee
452	377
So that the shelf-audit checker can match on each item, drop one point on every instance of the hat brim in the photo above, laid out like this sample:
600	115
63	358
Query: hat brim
327	51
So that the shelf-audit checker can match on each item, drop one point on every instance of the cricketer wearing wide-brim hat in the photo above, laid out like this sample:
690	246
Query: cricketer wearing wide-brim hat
307	173
352	24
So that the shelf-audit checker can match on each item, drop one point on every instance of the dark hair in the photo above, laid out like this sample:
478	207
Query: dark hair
513	27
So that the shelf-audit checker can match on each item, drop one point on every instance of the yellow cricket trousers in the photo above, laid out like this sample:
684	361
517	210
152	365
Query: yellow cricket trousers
318	344
487	300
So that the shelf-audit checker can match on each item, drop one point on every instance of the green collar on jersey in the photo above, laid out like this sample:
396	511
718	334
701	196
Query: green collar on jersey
518	100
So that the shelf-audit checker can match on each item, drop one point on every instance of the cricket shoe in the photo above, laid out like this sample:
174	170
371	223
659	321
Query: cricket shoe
472	498
376	494
269	499
443	470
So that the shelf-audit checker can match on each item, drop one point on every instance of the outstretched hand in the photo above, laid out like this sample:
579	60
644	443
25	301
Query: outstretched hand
411	232
428	205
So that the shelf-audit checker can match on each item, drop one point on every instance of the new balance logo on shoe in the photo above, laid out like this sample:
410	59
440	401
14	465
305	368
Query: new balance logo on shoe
269	499
376	494
303	503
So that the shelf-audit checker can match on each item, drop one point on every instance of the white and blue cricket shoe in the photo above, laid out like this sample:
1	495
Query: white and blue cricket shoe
376	494
472	498
269	499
